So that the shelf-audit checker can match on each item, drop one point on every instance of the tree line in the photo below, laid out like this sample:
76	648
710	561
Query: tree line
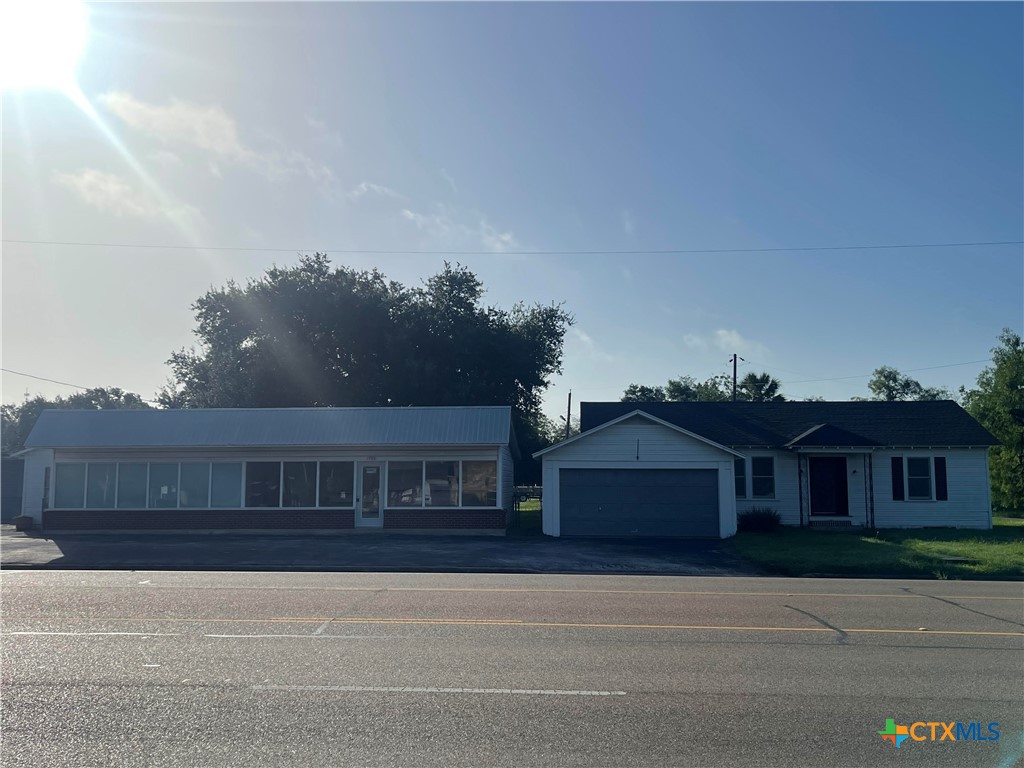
314	334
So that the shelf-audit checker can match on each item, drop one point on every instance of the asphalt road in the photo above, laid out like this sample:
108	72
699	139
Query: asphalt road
246	669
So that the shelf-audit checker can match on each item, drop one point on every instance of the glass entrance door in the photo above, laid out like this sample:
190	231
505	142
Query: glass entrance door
368	506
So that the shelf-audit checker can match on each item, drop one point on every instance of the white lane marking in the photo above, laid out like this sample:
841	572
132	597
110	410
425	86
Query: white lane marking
98	634
322	627
413	689
307	637
151	665
144	582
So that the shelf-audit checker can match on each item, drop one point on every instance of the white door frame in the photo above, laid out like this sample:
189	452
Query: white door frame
372	521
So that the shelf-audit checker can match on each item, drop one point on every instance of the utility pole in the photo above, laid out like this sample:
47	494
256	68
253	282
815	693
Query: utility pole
735	357
568	415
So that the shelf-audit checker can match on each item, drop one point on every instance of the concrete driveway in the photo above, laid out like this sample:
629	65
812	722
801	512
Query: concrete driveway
367	552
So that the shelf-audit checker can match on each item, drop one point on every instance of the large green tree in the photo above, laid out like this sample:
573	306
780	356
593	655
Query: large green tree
889	384
998	403
18	420
318	335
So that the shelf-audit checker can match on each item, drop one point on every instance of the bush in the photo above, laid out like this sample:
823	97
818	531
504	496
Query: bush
759	520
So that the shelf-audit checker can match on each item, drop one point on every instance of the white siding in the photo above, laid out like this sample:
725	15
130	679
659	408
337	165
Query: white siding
635	437
787	489
620	445
966	481
35	467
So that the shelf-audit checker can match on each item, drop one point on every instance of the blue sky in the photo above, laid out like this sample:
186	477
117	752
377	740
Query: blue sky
506	128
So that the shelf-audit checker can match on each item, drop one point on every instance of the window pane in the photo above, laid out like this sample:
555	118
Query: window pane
919	467
262	483
479	483
69	486
163	486
763	487
100	488
442	483
919	487
195	485
336	483
300	484
131	486
741	478
226	485
762	476
405	483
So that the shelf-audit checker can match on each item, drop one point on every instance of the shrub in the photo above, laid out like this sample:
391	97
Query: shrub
759	519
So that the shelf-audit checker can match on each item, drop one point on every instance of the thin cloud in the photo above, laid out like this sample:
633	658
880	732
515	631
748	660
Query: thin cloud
729	340
212	131
693	341
586	344
628	222
113	194
451	231
366	188
451	181
324	132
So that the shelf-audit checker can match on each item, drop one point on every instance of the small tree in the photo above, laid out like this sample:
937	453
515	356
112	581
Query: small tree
998	403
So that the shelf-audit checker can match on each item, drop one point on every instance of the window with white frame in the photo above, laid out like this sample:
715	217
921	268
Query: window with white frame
163	486
263	483
405	483
132	480
99	489
442	486
762	477
479	483
195	485
919	478
337	483
226	484
69	486
299	484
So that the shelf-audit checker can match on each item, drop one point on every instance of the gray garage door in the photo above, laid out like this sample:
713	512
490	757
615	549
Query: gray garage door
639	502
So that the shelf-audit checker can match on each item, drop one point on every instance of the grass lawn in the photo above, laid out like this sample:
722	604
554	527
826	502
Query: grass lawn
922	554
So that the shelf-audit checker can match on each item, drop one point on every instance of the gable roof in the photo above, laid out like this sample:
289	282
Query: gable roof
932	423
250	427
636	413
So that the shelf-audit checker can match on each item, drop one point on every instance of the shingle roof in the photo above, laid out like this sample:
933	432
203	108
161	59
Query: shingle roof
225	427
812	424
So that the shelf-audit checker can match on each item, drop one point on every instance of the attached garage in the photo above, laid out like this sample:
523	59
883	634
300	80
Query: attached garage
639	476
639	502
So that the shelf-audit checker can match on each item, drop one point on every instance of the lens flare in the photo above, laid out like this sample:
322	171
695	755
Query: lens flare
41	42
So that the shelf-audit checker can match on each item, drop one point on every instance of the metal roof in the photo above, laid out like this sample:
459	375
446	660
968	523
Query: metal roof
246	427
938	423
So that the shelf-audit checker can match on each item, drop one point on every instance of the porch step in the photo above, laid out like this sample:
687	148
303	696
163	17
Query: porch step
831	524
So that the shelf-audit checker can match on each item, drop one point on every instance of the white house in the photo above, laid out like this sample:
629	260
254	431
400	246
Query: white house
688	469
271	468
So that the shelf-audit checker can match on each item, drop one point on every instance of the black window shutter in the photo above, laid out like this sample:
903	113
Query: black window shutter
940	479
897	478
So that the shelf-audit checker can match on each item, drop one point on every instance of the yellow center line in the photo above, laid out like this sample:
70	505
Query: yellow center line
552	590
541	624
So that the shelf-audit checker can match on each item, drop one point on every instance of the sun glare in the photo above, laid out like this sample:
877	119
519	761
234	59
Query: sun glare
41	42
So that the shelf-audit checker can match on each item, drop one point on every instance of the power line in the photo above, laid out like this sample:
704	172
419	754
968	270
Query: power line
62	383
905	370
651	252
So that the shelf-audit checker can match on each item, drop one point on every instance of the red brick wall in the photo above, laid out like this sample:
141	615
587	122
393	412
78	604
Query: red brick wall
194	519
444	518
